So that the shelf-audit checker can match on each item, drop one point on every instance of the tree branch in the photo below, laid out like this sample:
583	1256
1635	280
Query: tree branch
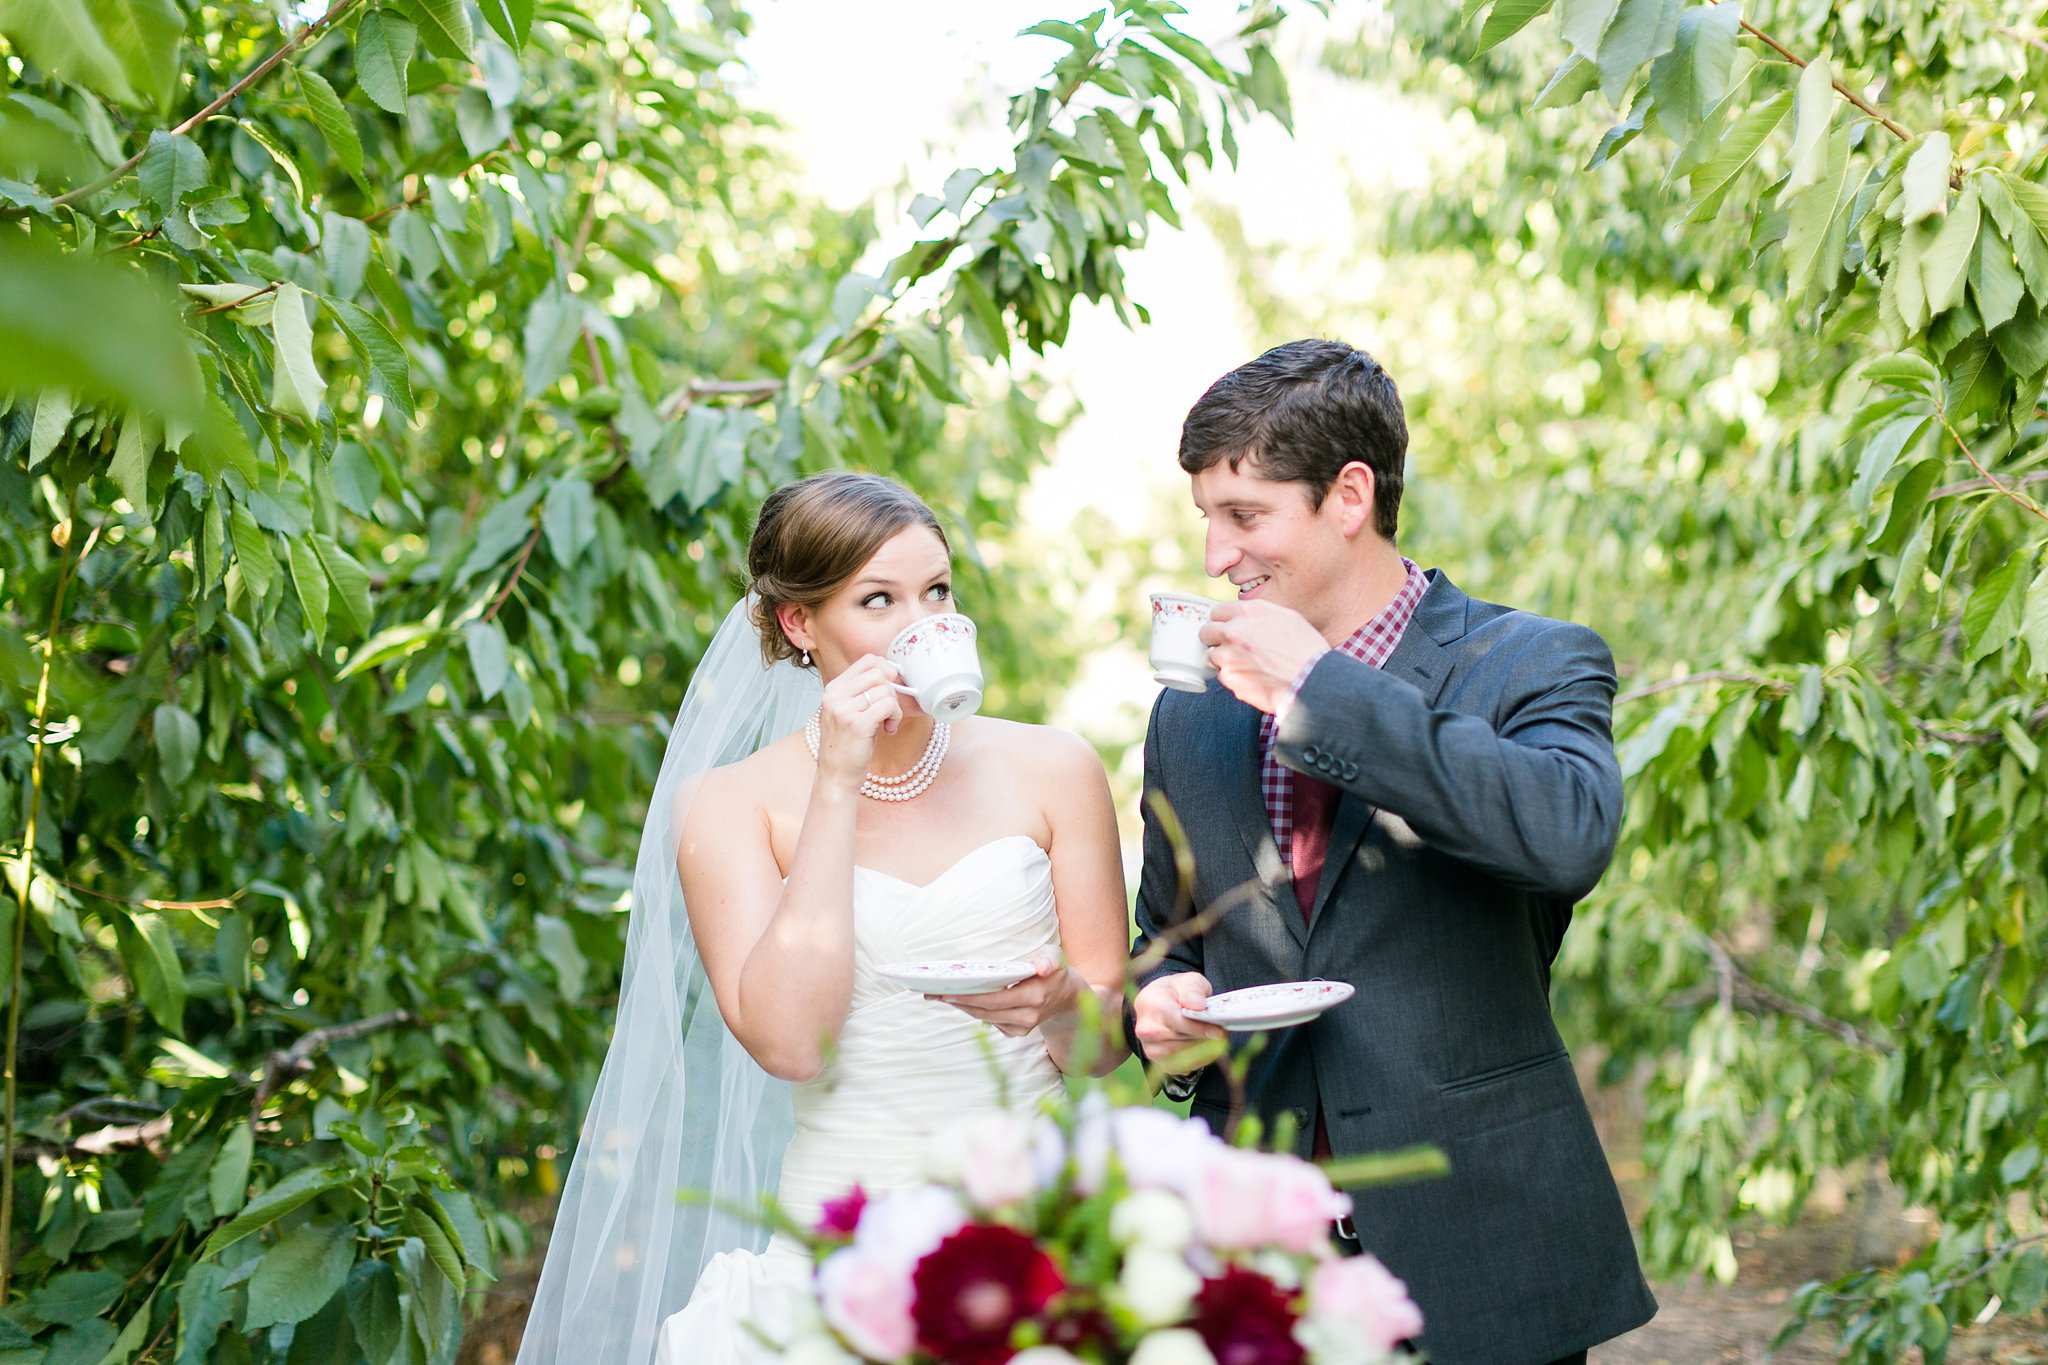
280	1068
1951	490
525	553
316	29
2005	489
1734	986
1778	685
1846	93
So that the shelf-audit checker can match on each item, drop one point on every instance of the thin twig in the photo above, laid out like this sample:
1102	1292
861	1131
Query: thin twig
1953	490
317	29
2021	36
236	303
1850	95
1778	685
525	553
282	1066
2010	493
1733	986
28	877
218	903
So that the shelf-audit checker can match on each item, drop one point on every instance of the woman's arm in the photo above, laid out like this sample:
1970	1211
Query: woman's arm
1067	780
779	953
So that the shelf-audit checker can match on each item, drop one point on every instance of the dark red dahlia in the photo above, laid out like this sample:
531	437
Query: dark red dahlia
1245	1319
1074	1328
839	1217
974	1289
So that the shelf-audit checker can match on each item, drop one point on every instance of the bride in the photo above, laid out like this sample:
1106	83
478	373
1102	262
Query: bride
800	834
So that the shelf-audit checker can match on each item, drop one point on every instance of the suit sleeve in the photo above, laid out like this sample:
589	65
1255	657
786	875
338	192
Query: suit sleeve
1159	902
1535	800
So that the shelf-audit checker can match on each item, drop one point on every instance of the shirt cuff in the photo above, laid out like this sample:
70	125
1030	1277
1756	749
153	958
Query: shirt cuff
1286	702
1182	1087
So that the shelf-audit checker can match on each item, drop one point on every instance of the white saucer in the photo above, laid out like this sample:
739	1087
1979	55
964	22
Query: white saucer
954	978
1280	1005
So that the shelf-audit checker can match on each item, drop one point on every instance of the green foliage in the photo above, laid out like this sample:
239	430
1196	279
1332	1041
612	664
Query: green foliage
383	402
1758	392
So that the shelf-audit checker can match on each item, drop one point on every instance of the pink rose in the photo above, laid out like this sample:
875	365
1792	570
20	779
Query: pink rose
1245	1200
901	1227
1358	1298
1153	1148
868	1301
997	1158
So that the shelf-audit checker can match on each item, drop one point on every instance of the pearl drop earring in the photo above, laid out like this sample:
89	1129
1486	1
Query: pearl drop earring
807	658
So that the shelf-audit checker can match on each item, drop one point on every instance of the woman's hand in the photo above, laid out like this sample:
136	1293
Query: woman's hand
1041	998
858	705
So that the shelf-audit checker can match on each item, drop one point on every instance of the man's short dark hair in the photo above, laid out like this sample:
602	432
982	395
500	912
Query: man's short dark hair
1300	413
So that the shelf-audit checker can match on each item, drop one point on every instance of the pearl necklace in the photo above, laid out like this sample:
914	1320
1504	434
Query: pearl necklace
905	785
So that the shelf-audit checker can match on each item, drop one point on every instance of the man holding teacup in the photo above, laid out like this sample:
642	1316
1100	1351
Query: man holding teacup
1404	789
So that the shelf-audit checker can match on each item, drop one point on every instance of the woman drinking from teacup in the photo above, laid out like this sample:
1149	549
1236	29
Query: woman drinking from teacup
854	923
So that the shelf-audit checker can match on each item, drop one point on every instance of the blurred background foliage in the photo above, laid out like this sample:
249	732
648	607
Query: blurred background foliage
385	393
1721	329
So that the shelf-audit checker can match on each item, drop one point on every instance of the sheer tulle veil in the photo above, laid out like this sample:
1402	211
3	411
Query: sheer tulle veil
679	1106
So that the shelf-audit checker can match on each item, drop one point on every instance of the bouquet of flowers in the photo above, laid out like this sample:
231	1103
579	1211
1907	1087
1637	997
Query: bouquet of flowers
1120	1236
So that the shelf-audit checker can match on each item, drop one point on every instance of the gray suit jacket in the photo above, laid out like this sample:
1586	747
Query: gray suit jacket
1480	801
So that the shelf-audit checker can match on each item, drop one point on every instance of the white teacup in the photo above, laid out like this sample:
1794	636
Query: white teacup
1179	658
940	665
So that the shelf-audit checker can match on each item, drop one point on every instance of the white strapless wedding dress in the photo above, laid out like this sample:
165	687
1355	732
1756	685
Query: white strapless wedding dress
905	1067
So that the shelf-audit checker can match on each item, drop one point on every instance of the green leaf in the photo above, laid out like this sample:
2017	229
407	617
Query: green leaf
309	578
144	36
1992	615
559	949
350	581
96	328
2029	248
54	410
74	1296
2034	624
1711	180
373	1308
379	351
1945	265
1508	18
569	519
1266	84
263	138
172	167
61	37
1994	279
307	1183
1581	22
489	656
1073	35
177	742
929	353
2019	1163
252	552
384	45
445	26
295	384
130	467
551	326
227	1184
297	1277
1573	81
1924	182
1905	369
1816	102
390	643
512	20
1640	32
152	962
440	1249
1815	235
1693	76
204	1307
330	115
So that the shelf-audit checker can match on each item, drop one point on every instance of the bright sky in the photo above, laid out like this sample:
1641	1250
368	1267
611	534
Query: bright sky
889	96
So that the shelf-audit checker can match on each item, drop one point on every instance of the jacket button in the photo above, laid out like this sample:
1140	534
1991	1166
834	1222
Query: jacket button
1350	772
1300	1117
1311	755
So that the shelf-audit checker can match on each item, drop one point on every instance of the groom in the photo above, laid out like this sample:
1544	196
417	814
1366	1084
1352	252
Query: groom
1412	788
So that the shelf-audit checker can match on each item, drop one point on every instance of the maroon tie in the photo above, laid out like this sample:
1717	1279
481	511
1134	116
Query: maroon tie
1315	810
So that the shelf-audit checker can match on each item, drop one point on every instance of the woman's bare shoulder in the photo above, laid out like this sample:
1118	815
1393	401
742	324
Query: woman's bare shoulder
1048	749
748	787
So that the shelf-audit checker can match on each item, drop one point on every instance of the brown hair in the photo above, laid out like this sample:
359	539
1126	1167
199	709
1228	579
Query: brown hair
814	535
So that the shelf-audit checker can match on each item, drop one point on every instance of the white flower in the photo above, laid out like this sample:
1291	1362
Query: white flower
994	1157
903	1226
1157	1287
1176	1347
1155	1149
1046	1355
1152	1218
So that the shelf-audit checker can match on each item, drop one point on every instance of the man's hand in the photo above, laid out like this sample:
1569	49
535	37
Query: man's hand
1259	649
1162	1029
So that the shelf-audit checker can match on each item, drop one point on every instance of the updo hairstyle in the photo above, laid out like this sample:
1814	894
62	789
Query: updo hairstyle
814	535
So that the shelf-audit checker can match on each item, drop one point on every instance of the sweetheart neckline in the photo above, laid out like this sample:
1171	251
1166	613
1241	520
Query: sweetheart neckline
953	866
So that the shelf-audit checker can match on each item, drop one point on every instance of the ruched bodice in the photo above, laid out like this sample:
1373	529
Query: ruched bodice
904	1068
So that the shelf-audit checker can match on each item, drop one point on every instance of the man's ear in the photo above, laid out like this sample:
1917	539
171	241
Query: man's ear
1355	491
795	621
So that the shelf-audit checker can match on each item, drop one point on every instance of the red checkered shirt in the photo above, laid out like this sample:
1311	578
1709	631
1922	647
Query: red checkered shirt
1372	643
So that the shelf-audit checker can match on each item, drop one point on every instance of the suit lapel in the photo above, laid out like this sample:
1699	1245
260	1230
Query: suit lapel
1422	661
